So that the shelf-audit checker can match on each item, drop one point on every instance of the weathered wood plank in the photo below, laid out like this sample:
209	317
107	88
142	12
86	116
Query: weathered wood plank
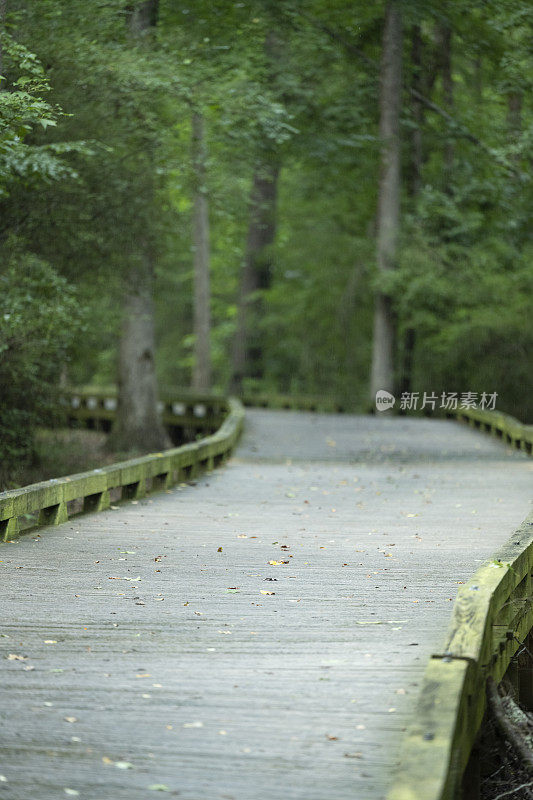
313	685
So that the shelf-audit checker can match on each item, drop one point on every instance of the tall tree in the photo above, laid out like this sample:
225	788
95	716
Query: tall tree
2	29
247	355
445	40
201	378
256	274
138	424
388	216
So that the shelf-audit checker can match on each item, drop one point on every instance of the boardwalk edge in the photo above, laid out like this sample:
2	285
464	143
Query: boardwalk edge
134	477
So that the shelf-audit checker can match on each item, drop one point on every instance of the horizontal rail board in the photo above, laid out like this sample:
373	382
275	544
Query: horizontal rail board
134	477
498	424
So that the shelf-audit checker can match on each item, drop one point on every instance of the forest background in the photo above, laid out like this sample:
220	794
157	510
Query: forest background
312	198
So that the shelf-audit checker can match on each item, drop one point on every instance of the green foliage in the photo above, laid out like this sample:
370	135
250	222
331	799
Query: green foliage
464	278
39	315
22	110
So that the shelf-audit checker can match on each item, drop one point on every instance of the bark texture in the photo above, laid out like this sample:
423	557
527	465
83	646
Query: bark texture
201	378
388	217
138	425
247	355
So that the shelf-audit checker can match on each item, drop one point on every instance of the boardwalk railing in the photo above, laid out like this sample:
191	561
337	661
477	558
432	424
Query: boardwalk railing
53	501
500	425
492	616
326	405
185	414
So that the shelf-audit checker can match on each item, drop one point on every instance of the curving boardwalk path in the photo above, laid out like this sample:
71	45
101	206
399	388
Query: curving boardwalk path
156	657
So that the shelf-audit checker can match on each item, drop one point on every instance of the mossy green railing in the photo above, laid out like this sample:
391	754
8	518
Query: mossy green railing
501	425
492	615
52	502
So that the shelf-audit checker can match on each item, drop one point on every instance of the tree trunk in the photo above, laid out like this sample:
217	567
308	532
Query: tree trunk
138	425
201	378
415	184
2	29
514	113
447	89
247	355
388	217
417	111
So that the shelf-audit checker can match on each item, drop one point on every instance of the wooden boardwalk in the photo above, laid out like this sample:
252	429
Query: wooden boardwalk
259	635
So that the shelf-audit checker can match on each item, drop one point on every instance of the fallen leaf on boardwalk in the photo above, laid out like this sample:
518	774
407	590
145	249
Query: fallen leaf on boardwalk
353	755
143	675
331	443
123	765
219	550
193	724
28	668
332	738
72	792
107	760
15	657
400	691
158	787
140	603
50	641
70	719
264	592
226	633
242	536
222	733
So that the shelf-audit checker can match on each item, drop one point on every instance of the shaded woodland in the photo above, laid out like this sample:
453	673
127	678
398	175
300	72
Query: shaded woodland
280	197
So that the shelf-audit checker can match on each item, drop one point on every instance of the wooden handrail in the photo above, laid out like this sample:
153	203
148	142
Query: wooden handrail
492	615
498	424
133	478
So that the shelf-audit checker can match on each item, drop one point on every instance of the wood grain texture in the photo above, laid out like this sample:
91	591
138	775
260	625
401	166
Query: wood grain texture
168	654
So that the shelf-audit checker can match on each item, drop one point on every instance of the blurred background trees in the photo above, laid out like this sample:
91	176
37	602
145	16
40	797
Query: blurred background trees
200	183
